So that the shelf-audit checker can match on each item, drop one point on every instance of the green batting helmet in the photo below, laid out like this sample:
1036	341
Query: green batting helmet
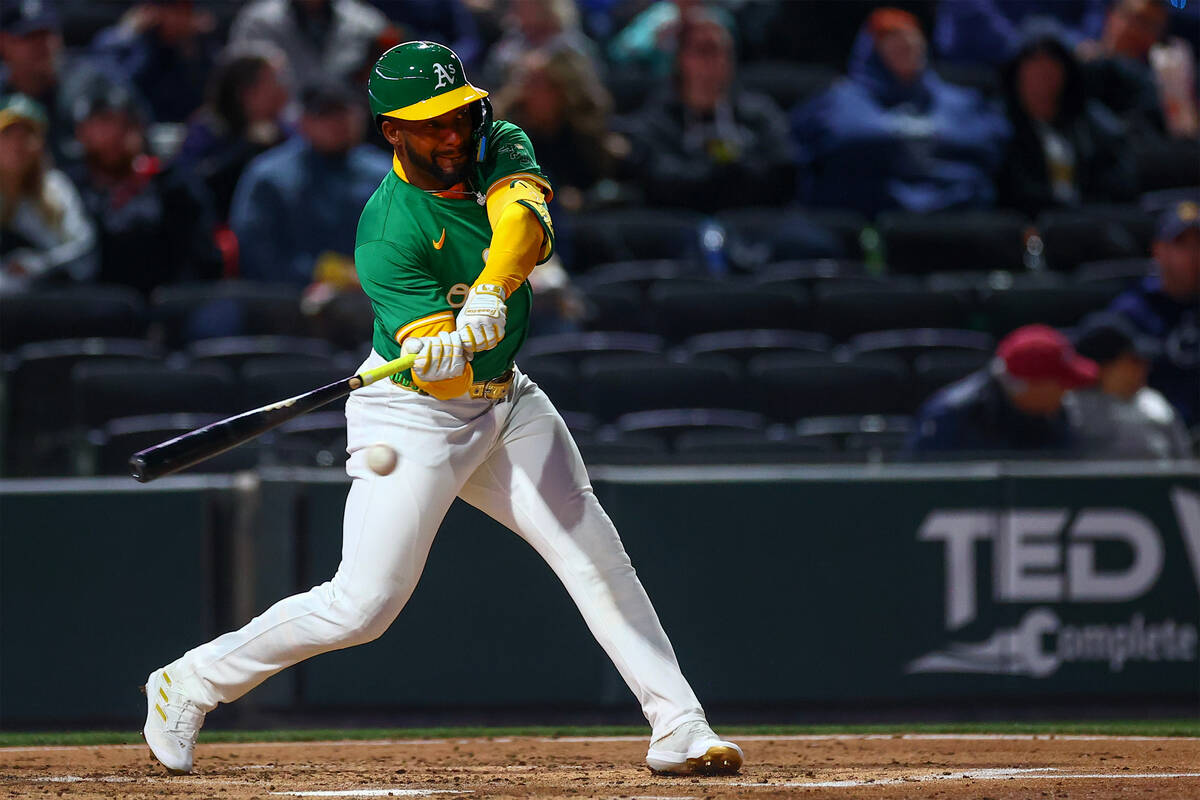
419	80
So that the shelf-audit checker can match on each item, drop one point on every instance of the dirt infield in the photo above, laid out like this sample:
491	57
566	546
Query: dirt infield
942	766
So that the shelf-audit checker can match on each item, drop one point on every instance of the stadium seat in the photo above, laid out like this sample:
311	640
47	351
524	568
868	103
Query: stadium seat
616	385
843	311
908	344
773	445
187	312
810	272
636	234
1063	306
615	308
1071	237
1116	275
742	345
557	378
577	345
959	240
786	82
317	439
791	386
610	447
1167	164
75	312
846	224
755	237
669	423
873	437
234	351
932	371
41	401
107	391
121	438
638	275
269	380
691	308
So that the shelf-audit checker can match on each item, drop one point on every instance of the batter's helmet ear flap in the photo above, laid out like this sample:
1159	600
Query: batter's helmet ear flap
481	114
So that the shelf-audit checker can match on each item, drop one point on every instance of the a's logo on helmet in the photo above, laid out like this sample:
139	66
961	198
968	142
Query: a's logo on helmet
445	75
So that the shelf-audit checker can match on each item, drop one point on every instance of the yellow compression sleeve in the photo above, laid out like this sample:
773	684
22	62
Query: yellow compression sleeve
519	218
432	326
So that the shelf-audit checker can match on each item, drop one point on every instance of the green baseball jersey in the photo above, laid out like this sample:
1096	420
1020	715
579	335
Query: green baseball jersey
418	254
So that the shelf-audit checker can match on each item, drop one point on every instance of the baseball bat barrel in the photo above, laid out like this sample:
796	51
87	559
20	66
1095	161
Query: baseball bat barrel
211	440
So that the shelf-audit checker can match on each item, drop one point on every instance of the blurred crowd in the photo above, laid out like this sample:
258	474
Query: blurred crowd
150	145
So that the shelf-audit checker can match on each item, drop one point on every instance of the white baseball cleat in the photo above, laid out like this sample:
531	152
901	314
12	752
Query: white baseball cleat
172	722
693	749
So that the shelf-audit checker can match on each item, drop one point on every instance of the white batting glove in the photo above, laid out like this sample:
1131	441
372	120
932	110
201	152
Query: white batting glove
441	357
482	317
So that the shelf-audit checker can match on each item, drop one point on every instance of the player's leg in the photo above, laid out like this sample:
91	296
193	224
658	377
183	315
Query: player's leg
389	525
535	483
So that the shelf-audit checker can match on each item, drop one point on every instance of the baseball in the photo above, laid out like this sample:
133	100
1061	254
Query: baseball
381	459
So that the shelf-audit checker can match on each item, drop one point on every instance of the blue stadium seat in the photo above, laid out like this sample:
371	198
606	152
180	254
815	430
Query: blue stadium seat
691	308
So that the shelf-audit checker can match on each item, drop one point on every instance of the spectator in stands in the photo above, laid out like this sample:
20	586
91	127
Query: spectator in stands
448	22
321	38
295	210
894	135
165	49
543	26
565	109
702	144
1151	86
31	46
1122	417
1015	405
45	233
988	31
650	40
1067	149
243	117
155	222
1166	306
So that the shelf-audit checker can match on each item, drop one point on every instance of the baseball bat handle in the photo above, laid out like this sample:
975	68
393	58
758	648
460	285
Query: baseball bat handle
211	440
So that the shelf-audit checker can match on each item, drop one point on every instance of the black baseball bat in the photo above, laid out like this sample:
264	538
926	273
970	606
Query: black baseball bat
203	443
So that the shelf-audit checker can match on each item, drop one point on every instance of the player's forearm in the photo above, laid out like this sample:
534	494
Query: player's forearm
516	245
449	388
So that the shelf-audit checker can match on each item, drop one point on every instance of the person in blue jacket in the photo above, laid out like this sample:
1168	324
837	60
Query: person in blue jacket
1166	306
297	205
987	31
1012	407
893	135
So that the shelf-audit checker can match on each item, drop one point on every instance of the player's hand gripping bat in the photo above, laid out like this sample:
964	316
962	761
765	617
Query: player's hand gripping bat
211	440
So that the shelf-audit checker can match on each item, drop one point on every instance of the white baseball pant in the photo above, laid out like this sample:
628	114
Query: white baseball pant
513	460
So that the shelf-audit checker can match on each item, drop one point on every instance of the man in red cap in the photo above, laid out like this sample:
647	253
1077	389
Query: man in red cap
1015	405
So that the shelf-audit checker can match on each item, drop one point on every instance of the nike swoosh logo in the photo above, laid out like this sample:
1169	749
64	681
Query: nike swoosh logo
438	244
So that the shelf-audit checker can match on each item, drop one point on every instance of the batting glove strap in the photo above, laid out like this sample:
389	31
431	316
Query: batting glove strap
440	358
482	318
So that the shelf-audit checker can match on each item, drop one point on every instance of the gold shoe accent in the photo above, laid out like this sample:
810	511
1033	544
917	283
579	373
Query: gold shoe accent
718	760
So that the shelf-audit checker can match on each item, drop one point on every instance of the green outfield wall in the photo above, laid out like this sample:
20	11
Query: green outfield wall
779	586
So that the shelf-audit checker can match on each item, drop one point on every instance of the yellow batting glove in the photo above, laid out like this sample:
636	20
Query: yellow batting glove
440	358
482	317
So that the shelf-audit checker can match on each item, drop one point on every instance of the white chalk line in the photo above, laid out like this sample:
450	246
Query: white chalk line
993	774
793	737
373	793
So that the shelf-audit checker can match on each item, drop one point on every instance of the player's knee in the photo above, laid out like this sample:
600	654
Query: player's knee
361	618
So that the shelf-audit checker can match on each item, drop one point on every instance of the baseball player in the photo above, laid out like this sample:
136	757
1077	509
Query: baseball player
443	251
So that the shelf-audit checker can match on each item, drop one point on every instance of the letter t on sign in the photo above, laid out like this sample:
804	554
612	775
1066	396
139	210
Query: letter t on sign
959	530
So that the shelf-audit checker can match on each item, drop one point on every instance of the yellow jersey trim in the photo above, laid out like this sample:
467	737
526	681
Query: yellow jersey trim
438	316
